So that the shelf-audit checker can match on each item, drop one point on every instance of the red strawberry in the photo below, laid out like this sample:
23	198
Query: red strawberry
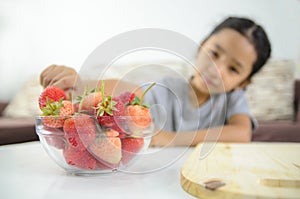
139	113
107	109
107	148
78	158
126	97
111	120
56	113
130	148
140	117
122	135
103	164
51	93
76	107
80	131
91	101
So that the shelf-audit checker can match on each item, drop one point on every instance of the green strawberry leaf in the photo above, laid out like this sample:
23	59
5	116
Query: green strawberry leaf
95	90
52	108
146	105
139	101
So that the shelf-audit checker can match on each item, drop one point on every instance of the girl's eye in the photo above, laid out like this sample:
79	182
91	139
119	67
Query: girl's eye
233	69
215	54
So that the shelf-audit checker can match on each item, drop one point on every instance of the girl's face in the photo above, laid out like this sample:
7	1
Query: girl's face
224	63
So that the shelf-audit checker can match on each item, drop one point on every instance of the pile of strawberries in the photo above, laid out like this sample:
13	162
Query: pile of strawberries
99	131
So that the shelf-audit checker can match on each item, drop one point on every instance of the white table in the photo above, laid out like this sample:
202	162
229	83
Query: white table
26	171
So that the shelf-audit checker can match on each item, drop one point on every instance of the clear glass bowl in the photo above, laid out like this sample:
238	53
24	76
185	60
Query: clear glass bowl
88	145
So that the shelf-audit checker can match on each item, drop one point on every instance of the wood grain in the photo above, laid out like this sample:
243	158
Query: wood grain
254	170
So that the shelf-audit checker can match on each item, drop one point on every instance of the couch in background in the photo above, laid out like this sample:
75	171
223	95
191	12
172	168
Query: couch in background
281	131
16	130
274	99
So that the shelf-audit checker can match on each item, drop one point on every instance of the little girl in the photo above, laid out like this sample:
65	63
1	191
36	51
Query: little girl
212	106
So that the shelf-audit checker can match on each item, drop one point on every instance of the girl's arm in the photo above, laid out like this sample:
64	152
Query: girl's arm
238	129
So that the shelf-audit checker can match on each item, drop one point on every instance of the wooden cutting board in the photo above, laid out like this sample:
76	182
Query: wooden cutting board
254	170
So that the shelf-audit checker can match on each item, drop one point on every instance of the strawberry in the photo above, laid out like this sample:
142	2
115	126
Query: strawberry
140	117
80	131
91	101
76	107
107	148
111	119
51	93
56	113
107	109
126	97
130	148
78	158
139	113
105	165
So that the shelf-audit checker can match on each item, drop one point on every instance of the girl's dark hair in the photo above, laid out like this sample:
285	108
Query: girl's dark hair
254	33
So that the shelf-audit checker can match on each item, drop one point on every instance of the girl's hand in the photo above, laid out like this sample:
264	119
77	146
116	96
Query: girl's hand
60	76
163	139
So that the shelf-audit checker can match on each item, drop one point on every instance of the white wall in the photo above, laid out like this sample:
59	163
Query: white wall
37	33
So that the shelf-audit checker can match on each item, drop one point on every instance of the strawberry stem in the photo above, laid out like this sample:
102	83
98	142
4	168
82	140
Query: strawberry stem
102	91
85	93
144	93
107	105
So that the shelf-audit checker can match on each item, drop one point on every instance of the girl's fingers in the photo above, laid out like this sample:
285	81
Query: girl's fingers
65	83
44	77
60	76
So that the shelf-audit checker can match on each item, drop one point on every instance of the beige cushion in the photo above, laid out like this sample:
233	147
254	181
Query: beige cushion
25	102
271	93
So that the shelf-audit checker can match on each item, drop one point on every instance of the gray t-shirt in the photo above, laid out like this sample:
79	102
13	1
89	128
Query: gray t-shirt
171	108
